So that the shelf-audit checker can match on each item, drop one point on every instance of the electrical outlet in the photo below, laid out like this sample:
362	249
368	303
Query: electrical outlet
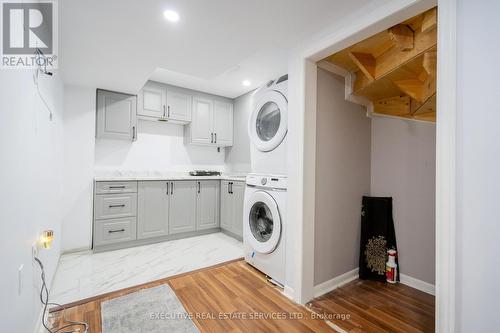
20	279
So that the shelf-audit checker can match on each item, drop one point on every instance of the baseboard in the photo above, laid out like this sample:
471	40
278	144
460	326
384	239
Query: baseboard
340	280
76	250
230	234
417	284
288	292
336	282
148	241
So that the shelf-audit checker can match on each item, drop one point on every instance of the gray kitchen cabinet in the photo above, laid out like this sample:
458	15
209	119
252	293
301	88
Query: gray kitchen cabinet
109	206
232	196
161	102
223	123
152	209
211	123
207	204
182	206
116	187
112	231
200	129
129	213
115	210
179	104
153	100
116	115
238	194
225	206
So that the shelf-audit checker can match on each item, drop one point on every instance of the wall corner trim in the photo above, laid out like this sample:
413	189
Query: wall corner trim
336	282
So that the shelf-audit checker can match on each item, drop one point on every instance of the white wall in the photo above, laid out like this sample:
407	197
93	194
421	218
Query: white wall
238	156
403	166
159	146
79	138
31	170
342	178
478	178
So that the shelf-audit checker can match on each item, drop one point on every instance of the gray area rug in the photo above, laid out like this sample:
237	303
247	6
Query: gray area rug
152	310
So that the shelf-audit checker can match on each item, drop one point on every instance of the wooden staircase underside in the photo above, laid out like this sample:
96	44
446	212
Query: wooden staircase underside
395	70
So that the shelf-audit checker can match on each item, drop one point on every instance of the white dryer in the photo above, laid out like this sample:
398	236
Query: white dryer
264	228
268	126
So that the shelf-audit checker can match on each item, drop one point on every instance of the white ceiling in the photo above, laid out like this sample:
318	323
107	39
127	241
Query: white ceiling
119	44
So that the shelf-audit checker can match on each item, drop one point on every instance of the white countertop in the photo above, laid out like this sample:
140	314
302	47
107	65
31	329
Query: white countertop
102	176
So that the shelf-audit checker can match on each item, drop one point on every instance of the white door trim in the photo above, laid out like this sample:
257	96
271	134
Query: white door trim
302	112
446	157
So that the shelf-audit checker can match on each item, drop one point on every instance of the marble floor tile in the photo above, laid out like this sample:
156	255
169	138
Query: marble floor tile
85	274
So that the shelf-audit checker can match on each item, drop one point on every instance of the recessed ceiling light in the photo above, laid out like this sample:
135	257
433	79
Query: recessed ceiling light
246	83
171	15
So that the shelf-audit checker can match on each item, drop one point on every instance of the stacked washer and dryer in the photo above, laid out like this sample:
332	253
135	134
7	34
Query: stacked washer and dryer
264	227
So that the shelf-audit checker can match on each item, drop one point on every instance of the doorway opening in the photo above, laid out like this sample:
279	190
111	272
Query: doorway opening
391	78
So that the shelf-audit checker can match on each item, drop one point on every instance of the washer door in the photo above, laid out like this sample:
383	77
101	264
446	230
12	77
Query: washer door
268	124
264	223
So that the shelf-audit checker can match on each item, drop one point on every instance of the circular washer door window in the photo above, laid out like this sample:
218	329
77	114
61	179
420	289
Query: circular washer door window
264	223
268	123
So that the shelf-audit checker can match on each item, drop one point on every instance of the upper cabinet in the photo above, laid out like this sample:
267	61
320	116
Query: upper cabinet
178	105
223	123
153	100
209	117
162	102
116	115
212	122
201	131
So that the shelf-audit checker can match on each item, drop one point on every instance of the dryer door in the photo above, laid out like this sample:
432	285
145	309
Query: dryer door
264	223
268	124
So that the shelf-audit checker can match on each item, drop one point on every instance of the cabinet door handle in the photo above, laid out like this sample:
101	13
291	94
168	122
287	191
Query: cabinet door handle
117	230
167	188
199	187
171	188
212	141
115	206
168	107
133	133
215	137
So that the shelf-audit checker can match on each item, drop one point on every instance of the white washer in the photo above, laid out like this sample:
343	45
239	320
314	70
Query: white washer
264	227
268	126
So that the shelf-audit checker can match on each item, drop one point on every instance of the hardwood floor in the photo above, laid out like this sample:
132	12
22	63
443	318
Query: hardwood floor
234	297
378	307
227	293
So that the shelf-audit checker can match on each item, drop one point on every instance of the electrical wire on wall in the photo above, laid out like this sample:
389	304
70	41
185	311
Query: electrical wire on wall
41	62
72	325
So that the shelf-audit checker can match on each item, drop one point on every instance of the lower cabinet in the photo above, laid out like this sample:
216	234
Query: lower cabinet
112	231
231	207
152	209
139	212
207	204
182	210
